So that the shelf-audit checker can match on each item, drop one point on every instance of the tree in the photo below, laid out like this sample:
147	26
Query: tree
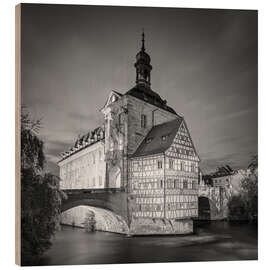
237	210
253	165
244	206
90	222
250	196
40	194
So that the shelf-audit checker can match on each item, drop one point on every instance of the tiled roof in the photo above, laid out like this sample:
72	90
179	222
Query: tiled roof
159	138
222	171
148	95
84	141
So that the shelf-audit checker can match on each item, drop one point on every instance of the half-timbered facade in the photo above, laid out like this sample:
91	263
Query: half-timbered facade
163	174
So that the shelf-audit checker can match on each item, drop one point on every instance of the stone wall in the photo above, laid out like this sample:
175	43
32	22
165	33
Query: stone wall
105	220
142	226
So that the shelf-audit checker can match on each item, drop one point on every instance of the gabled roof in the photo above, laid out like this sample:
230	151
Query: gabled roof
146	94
112	93
159	139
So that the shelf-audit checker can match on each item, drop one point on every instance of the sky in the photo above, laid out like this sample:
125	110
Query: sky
204	64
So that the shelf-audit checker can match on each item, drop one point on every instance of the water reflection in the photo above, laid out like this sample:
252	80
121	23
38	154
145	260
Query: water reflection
220	241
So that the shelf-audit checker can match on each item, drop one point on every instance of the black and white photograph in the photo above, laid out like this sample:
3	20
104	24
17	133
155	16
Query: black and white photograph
138	138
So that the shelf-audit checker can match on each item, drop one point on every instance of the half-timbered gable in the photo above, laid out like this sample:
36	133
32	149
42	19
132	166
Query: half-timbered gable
181	165
163	182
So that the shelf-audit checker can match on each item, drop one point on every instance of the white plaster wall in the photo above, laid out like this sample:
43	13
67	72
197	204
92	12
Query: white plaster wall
85	169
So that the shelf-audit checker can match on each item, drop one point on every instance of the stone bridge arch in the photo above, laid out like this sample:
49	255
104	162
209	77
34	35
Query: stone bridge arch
111	203
207	209
215	200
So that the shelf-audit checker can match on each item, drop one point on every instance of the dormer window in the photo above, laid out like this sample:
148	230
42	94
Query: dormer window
164	137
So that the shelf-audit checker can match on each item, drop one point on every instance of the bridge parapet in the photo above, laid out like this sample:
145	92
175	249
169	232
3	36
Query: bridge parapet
93	190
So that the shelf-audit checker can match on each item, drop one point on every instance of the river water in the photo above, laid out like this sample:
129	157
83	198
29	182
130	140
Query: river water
211	242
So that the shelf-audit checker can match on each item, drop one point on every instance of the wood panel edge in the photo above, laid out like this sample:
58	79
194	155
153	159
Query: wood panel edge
17	134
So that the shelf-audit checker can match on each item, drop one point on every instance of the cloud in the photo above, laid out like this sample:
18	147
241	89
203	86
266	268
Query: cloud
204	64
232	115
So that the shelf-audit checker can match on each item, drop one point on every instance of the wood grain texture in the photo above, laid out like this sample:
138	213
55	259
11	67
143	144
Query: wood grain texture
17	135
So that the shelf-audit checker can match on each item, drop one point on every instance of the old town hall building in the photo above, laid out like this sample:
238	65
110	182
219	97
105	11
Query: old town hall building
145	148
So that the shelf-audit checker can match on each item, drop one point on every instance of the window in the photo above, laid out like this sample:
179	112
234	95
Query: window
192	168
143	121
185	184
193	184
159	164
94	182
165	137
161	184
94	159
100	155
170	163
182	167
121	121
100	181
153	118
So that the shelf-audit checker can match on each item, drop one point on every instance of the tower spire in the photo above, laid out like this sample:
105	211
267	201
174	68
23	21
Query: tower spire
143	66
143	48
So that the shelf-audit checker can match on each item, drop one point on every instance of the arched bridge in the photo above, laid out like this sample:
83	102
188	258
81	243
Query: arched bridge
112	199
213	202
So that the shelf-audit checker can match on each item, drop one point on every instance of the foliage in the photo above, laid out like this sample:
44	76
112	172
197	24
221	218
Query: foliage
90	222
236	207
40	195
253	165
250	196
244	206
